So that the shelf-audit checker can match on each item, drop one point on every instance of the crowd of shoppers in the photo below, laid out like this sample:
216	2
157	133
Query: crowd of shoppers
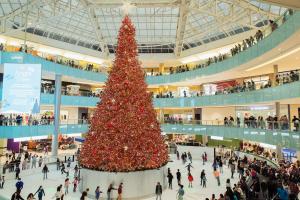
29	120
245	86
257	180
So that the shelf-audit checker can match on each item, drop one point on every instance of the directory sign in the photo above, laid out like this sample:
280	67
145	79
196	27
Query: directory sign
21	88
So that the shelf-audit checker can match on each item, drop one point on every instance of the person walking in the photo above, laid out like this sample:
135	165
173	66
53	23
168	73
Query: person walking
40	192
189	166
217	176
33	163
232	169
30	197
109	191
177	154
57	164
158	191
2	181
83	195
120	191
204	179
180	193
97	193
17	195
17	170
170	179
190	157
75	184
178	176
45	172
57	194
19	184
190	179
221	166
67	184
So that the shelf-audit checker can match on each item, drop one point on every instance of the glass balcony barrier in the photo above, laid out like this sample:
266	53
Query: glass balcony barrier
283	125
251	124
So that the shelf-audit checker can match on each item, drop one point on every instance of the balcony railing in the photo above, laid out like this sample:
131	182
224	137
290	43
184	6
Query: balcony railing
276	136
275	38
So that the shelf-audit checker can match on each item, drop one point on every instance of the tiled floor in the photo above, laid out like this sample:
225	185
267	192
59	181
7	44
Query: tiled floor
32	182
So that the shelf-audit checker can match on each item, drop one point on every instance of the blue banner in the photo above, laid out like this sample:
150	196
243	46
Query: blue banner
21	88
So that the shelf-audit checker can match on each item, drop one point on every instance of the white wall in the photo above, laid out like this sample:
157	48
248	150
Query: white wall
294	110
217	113
72	113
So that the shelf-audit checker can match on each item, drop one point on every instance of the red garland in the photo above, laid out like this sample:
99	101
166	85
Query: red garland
124	134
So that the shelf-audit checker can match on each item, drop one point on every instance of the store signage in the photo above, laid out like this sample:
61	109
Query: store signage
21	88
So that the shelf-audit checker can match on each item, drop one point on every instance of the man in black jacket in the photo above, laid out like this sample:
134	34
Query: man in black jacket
158	191
178	175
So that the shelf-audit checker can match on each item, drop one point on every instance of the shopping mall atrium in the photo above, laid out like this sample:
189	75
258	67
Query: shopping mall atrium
145	100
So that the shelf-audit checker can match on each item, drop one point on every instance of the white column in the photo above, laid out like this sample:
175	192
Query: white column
57	103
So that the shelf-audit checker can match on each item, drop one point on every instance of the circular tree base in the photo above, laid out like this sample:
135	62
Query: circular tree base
136	185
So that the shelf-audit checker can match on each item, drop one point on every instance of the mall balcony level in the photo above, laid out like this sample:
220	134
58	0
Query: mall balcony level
274	133
277	93
283	32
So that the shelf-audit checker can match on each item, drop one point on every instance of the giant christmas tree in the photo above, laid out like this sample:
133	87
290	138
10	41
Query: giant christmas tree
124	134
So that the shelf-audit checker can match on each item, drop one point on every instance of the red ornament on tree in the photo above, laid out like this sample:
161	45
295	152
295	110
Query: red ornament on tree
126	137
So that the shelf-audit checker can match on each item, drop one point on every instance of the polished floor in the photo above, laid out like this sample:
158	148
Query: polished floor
33	179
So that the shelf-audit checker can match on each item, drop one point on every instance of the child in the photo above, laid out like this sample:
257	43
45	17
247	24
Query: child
75	182
191	179
67	183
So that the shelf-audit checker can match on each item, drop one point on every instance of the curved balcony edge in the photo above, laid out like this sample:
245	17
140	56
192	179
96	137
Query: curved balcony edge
275	38
276	137
281	92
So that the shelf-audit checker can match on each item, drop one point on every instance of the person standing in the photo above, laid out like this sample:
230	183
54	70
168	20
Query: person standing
170	179
201	176
177	154
109	190
178	176
40	192
217	176
33	164
158	191
120	191
203	159
45	172
67	184
180	193
190	179
97	193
